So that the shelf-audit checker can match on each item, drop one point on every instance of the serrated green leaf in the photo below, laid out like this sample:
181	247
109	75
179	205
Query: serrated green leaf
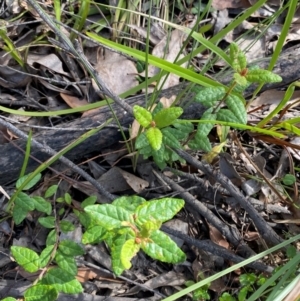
169	139
243	293
146	151
62	281
51	238
200	143
116	253
184	126
129	250
66	263
163	248
41	204
167	116
70	248
45	256
94	234
175	157
208	96
204	129
154	137
24	201
262	76
141	141
160	210
26	258
143	116
31	183
240	62
227	297
178	134
238	58
240	80
47	222
19	214
159	157
130	203
233	50
236	106
66	226
226	115
109	216
9	299
159	106
51	191
41	292
91	200
148	227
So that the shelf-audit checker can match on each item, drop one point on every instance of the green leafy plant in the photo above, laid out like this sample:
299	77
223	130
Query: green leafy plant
162	130
130	224
249	281
200	293
62	253
289	180
260	285
127	225
159	137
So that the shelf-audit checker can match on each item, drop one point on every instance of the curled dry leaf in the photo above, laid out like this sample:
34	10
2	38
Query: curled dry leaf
216	237
251	235
223	4
11	78
295	152
73	101
50	62
168	49
116	71
157	33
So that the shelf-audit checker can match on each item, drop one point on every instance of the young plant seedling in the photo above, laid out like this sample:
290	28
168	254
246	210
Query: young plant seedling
163	131
130	224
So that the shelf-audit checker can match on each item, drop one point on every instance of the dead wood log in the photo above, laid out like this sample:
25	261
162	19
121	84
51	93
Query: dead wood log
11	158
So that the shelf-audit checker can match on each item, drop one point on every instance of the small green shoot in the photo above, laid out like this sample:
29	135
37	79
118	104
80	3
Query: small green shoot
162	130
130	224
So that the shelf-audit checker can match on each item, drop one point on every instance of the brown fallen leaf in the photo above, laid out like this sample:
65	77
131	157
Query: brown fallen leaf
118	72
73	101
216	237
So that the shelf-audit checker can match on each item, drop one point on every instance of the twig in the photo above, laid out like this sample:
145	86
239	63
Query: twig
236	140
76	52
230	233
213	248
48	150
142	286
267	233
